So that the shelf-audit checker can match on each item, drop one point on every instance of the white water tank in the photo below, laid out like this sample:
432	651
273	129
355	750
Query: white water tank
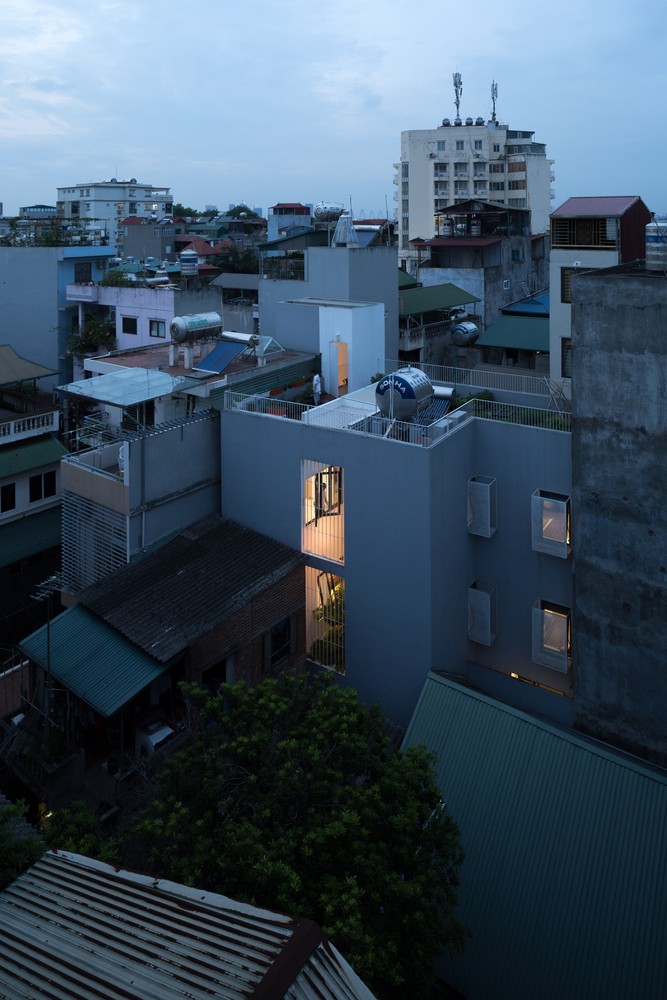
188	328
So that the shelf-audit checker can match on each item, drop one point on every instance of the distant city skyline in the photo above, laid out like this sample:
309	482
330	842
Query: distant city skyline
261	103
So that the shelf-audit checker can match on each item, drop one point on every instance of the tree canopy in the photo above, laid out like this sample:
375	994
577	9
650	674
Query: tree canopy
289	796
242	211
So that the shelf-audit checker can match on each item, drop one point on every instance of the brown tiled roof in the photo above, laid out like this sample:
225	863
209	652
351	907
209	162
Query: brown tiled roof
595	207
194	243
174	596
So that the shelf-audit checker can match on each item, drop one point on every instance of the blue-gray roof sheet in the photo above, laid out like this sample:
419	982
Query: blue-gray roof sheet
564	885
91	659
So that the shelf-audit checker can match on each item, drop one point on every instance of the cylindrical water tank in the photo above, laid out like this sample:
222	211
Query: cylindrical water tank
656	245
193	327
189	263
447	228
464	334
475	228
403	393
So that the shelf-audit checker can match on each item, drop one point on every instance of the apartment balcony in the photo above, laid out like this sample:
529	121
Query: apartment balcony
82	293
19	427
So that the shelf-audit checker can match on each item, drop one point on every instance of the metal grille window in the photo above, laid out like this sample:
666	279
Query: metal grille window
325	618
83	273
323	511
94	542
584	233
566	283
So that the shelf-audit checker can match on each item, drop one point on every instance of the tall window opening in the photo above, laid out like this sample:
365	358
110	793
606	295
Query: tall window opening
325	618
323	516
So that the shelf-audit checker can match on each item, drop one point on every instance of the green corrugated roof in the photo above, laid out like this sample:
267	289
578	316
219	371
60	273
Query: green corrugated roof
564	885
93	660
420	300
18	458
525	333
29	535
406	280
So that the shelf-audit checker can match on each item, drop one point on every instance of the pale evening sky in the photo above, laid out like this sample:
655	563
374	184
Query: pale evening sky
304	100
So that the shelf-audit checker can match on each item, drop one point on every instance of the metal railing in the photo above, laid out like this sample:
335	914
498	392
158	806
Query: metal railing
476	378
527	416
268	405
283	268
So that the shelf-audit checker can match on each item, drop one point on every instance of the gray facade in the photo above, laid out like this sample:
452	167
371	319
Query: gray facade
408	558
334	273
619	382
37	320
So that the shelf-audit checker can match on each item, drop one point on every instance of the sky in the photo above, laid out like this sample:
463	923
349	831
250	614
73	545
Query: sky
261	101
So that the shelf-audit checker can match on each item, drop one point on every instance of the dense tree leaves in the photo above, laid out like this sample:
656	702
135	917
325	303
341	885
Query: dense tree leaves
290	797
20	845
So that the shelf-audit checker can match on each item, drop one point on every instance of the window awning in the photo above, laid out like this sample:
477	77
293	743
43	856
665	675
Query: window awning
92	660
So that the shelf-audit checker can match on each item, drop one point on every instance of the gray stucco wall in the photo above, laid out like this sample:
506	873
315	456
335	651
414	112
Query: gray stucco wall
408	556
619	389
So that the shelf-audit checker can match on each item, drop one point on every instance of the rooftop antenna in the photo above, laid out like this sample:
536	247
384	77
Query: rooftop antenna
458	90
494	98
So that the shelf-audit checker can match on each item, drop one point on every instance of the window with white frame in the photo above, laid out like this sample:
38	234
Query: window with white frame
551	635
7	498
157	328
550	516
42	486
482	506
482	612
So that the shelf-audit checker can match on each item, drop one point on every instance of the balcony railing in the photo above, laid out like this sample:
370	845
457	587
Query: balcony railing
28	425
475	378
509	413
283	268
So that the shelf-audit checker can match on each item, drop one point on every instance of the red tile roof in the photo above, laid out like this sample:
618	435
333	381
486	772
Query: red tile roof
194	243
595	207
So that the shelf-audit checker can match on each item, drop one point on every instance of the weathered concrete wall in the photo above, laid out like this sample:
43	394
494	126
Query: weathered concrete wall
619	391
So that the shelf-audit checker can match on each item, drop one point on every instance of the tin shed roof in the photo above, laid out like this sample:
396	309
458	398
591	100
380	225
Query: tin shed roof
565	879
91	660
412	301
73	927
189	585
600	206
524	333
27	455
14	368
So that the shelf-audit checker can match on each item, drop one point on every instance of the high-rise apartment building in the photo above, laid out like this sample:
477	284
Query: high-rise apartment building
113	201
469	158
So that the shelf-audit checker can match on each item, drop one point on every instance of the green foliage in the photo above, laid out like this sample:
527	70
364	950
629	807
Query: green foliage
97	334
242	211
289	797
116	278
240	261
377	377
182	210
19	846
75	828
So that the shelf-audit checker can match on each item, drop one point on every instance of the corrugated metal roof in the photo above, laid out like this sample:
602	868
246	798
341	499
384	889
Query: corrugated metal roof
412	301
406	280
29	535
92	660
73	927
595	207
190	585
537	305
27	455
524	333
564	885
15	369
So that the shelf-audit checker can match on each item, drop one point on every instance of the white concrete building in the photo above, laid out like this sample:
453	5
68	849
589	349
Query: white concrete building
113	201
459	160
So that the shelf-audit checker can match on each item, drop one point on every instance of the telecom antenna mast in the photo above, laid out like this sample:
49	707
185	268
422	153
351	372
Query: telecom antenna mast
494	98
458	90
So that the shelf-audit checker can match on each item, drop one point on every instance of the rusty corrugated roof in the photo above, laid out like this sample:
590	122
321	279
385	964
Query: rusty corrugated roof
598	206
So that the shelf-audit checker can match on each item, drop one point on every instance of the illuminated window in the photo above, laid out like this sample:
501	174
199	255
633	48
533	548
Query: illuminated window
482	506
551	635
323	513
551	523
325	618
